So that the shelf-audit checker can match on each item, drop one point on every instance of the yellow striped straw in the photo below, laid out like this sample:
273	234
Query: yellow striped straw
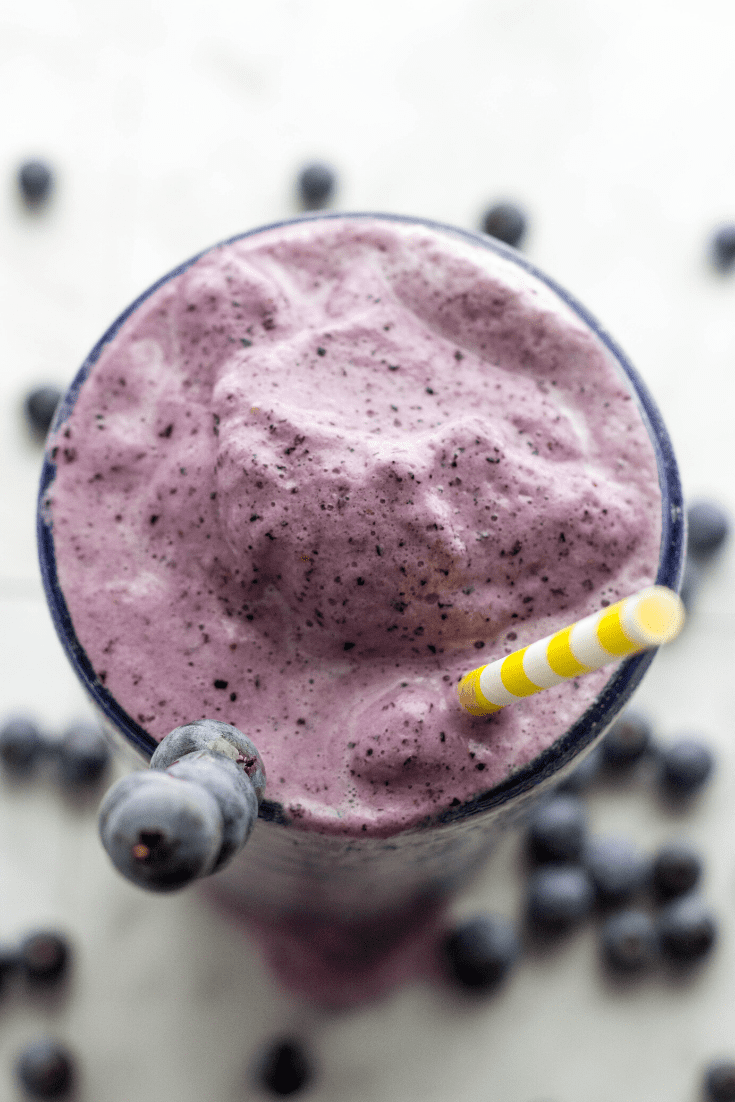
653	616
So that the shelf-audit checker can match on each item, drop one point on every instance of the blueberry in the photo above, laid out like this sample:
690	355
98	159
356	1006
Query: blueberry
160	831
232	790
582	775
691	582
687	928
628	941
677	868
39	407
83	755
285	1067
723	247
479	953
8	963
35	180
685	766
45	1069
316	185
219	738
21	745
506	222
617	869
558	897
627	740
557	829
719	1081
44	956
708	526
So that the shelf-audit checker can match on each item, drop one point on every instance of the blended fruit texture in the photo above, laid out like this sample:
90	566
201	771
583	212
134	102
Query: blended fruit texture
321	474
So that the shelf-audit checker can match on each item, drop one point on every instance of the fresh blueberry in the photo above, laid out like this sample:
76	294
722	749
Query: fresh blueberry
217	737
316	185
39	407
35	180
558	897
685	766
583	775
479	953
676	870
627	740
687	928
628	941
557	829
232	790
44	956
160	831
83	755
45	1069
21	745
719	1081
723	247
617	869
285	1067
708	526
506	222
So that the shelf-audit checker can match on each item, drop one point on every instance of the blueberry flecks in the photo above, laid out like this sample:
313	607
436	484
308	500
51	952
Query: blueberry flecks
220	684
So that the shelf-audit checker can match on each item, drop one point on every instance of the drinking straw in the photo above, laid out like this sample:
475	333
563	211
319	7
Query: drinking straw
650	617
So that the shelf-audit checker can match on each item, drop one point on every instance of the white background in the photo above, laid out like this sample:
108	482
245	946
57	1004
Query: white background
174	124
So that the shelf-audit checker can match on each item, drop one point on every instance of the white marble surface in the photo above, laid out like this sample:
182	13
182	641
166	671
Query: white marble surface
172	125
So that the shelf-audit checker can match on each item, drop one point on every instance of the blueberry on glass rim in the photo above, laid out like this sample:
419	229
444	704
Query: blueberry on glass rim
39	406
316	185
35	181
285	1067
480	952
708	526
506	222
557	829
45	1069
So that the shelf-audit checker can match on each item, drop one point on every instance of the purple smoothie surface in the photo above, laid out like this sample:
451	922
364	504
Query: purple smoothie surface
326	471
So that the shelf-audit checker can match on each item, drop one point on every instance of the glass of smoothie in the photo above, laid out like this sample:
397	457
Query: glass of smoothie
303	484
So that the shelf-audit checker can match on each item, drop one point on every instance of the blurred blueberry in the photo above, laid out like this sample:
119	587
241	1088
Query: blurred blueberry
627	740
21	745
316	184
686	765
719	1081
83	755
708	526
39	407
691	582
557	829
617	869
285	1067
628	941
45	1069
722	248
505	221
687	928
9	962
582	775
44	956
480	952
35	180
558	897
676	869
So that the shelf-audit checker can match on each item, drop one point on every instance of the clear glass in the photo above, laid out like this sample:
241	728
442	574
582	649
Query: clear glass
342	918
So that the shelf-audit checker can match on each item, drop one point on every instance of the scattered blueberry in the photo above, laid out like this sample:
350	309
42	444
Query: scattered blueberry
558	897
21	745
676	869
316	185
691	582
687	928
45	1069
44	956
39	407
506	222
83	755
35	180
685	766
617	869
628	941
479	953
582	776
8	963
285	1067
557	829
232	790
723	247
708	526
161	832
217	737
719	1081
627	740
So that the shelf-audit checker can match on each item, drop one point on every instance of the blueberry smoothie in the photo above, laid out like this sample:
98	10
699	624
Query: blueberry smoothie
315	477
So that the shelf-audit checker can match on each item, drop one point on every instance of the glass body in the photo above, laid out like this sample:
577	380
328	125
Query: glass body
338	915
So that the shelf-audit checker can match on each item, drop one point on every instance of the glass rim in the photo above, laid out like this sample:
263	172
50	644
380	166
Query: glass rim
619	687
